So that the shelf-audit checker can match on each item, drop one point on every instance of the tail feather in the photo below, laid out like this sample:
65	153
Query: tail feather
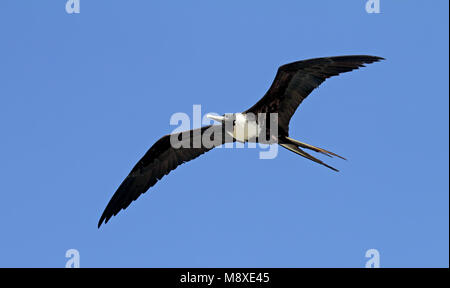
314	148
294	148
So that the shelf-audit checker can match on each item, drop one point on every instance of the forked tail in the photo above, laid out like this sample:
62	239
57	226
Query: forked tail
294	146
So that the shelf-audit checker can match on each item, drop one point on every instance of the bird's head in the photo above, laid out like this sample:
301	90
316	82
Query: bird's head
226	118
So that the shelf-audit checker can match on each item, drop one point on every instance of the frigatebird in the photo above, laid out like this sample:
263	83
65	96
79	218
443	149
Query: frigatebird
293	83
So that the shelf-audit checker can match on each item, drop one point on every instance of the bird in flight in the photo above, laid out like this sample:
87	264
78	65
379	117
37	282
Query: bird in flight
293	83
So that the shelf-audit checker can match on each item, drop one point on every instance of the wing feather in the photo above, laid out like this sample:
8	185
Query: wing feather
159	160
295	81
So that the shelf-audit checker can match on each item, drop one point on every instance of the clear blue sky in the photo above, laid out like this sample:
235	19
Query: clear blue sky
82	97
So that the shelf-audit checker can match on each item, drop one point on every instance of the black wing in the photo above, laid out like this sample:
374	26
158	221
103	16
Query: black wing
295	81
159	160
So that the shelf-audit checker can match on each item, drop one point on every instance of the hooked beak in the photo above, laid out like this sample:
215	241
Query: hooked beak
216	117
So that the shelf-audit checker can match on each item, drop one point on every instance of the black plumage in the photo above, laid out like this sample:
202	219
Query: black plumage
293	83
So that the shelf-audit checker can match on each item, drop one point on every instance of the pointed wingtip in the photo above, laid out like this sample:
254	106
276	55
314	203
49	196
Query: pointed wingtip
378	58
100	222
371	58
374	59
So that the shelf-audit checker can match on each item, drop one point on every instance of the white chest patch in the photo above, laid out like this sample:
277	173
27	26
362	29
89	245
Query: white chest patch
245	130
